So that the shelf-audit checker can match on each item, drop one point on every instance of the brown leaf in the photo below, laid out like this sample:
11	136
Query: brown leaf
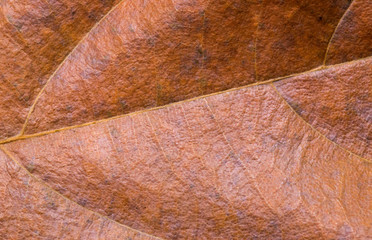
265	138
35	37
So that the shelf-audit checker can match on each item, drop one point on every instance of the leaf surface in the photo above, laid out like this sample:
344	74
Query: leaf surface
187	119
31	210
147	54
36	36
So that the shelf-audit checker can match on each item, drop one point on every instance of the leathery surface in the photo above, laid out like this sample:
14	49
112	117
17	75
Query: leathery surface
266	138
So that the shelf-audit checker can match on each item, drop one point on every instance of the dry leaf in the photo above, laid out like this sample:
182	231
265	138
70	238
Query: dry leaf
266	135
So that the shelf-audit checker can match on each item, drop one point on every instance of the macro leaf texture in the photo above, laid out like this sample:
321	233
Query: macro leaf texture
186	119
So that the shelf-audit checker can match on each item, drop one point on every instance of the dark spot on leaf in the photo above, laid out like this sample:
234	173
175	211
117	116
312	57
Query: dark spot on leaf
123	104
52	205
69	108
83	202
30	167
92	16
199	49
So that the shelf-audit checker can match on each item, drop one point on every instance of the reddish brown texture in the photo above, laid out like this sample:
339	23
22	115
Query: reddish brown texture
31	210
14	64
149	54
236	165
293	35
35	36
353	37
146	54
289	159
228	44
337	102
296	165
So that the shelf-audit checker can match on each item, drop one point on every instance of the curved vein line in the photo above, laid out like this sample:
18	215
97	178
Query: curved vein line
201	159
60	65
334	33
311	212
14	27
270	81
23	136
243	164
7	153
316	130
171	164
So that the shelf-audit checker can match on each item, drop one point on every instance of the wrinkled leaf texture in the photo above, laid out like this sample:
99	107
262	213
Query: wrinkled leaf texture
186	119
